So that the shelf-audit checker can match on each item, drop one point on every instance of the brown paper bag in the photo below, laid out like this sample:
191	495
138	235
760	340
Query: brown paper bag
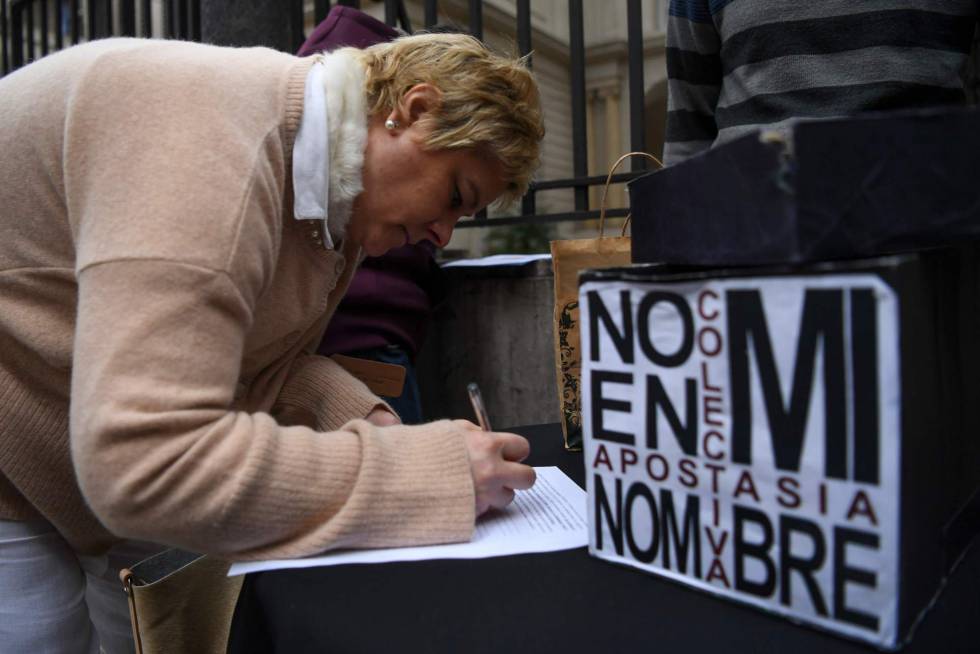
568	258
180	601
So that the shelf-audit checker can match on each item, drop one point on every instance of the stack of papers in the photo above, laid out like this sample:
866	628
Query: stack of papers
550	516
497	260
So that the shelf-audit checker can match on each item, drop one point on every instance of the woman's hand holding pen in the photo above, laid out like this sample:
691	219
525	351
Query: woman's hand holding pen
495	463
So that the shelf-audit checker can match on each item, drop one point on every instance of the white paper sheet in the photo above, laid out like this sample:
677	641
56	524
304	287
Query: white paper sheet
497	260
546	518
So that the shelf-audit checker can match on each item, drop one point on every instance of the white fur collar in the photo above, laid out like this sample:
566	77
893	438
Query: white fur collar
347	136
328	153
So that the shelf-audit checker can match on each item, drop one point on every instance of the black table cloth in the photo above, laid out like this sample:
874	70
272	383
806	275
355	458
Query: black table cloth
540	603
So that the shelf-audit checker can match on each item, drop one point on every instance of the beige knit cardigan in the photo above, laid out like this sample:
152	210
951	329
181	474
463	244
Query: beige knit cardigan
158	307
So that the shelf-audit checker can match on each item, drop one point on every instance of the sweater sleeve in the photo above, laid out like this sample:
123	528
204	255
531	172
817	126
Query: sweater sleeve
319	393
694	78
160	457
175	208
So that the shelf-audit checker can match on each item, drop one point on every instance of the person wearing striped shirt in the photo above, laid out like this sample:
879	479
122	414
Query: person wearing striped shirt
735	66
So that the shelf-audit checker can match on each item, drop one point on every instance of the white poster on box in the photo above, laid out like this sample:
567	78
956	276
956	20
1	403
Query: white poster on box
742	436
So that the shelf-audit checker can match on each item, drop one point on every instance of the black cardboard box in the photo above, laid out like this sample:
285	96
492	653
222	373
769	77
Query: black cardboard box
817	190
687	368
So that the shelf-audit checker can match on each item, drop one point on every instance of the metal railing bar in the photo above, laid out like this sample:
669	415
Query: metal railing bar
195	18
146	20
575	182
178	18
127	17
4	52
90	22
73	21
356	4
29	9
524	29
524	50
403	18
528	204
634	38
391	12
109	25
185	20
543	218
320	10
182	23
476	18
16	36
431	13
59	20
476	29
580	157
45	26
296	26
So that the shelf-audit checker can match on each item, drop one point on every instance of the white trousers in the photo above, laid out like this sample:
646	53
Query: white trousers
55	601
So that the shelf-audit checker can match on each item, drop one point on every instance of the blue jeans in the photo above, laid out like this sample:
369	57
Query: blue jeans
408	405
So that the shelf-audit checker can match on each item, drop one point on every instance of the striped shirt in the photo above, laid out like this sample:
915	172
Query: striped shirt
734	66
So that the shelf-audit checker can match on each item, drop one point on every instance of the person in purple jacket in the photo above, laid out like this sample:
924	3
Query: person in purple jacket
388	306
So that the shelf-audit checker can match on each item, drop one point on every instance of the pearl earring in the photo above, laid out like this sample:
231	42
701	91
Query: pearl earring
391	124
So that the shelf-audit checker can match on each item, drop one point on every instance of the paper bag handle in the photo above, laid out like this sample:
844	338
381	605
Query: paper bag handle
126	577
605	189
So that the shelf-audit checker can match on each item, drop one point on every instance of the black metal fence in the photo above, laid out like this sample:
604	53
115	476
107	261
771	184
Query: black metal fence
31	29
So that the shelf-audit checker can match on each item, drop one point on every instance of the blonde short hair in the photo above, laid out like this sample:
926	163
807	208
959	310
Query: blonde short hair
489	102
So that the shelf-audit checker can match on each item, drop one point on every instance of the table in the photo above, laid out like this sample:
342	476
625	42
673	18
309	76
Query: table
540	603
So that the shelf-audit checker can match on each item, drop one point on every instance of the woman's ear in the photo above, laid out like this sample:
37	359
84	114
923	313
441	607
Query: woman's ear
417	101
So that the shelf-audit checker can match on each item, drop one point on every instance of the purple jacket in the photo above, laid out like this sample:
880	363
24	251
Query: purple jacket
345	26
390	299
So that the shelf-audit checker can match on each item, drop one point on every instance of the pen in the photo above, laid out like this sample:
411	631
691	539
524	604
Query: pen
477	401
